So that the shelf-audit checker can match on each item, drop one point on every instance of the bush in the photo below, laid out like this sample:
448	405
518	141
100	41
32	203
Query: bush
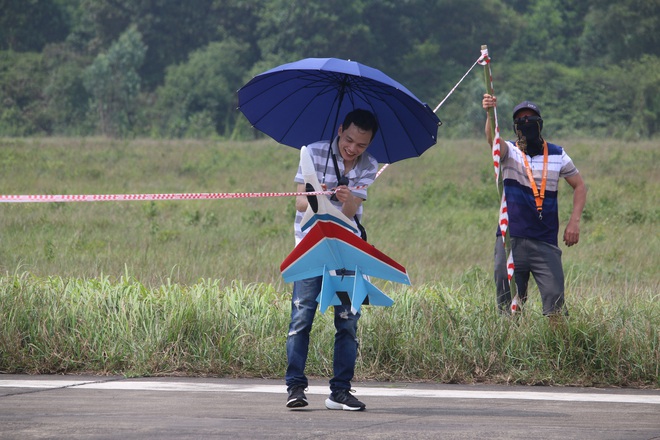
201	93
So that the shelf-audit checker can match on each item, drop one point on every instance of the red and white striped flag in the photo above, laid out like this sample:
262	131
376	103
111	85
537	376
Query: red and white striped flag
510	266
496	150
504	218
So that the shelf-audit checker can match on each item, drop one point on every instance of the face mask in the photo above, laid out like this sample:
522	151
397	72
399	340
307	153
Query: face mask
528	129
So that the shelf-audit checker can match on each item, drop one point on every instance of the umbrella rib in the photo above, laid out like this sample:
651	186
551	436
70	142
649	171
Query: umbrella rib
326	89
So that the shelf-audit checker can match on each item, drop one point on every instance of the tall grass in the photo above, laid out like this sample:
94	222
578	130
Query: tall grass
71	325
432	333
193	287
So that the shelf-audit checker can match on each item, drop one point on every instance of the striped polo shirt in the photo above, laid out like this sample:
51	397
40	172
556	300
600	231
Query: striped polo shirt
523	217
363	173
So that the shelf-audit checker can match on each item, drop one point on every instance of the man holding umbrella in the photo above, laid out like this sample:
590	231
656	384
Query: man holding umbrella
346	158
303	101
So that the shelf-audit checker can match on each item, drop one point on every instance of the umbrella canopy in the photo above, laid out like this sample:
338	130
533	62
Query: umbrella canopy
305	101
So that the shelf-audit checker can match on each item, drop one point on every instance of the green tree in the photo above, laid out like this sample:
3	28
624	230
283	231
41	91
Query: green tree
620	30
566	54
28	25
549	31
199	96
298	29
22	76
114	83
170	29
65	96
447	42
645	108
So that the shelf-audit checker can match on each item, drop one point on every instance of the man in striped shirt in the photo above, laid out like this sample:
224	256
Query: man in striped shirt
531	169
350	167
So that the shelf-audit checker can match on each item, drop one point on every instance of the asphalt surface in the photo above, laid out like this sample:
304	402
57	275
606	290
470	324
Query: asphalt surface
100	407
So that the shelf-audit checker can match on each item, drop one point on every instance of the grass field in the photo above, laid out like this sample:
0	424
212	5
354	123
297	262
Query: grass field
193	287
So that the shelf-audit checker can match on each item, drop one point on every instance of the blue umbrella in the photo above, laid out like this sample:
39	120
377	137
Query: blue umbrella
303	102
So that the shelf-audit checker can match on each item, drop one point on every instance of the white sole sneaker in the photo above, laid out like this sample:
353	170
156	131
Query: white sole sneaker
331	404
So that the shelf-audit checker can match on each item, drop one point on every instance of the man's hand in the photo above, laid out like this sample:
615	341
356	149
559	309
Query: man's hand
343	193
349	202
489	101
572	233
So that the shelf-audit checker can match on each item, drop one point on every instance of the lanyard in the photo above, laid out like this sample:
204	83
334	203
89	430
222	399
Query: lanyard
538	196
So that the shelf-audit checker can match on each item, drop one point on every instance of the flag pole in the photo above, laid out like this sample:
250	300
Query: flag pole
489	89
492	116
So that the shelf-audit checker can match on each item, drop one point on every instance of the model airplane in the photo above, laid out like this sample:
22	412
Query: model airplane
332	249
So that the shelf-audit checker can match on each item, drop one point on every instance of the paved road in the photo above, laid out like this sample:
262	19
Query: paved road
94	407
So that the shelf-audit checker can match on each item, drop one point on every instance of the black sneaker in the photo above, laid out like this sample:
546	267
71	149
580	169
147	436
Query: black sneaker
297	398
343	399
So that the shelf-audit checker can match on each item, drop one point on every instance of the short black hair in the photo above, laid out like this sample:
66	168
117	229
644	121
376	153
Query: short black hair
363	119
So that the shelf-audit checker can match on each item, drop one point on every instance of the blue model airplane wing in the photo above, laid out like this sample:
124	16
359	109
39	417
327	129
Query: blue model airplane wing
328	245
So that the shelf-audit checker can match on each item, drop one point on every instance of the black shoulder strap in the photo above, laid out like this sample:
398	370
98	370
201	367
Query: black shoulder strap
334	161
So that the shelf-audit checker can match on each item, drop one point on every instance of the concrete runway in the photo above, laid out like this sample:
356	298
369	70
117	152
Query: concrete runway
100	407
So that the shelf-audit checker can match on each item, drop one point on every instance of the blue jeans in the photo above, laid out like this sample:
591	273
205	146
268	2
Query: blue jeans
303	310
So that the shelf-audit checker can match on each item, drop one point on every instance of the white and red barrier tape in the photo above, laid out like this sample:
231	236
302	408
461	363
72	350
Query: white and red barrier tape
143	197
48	198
